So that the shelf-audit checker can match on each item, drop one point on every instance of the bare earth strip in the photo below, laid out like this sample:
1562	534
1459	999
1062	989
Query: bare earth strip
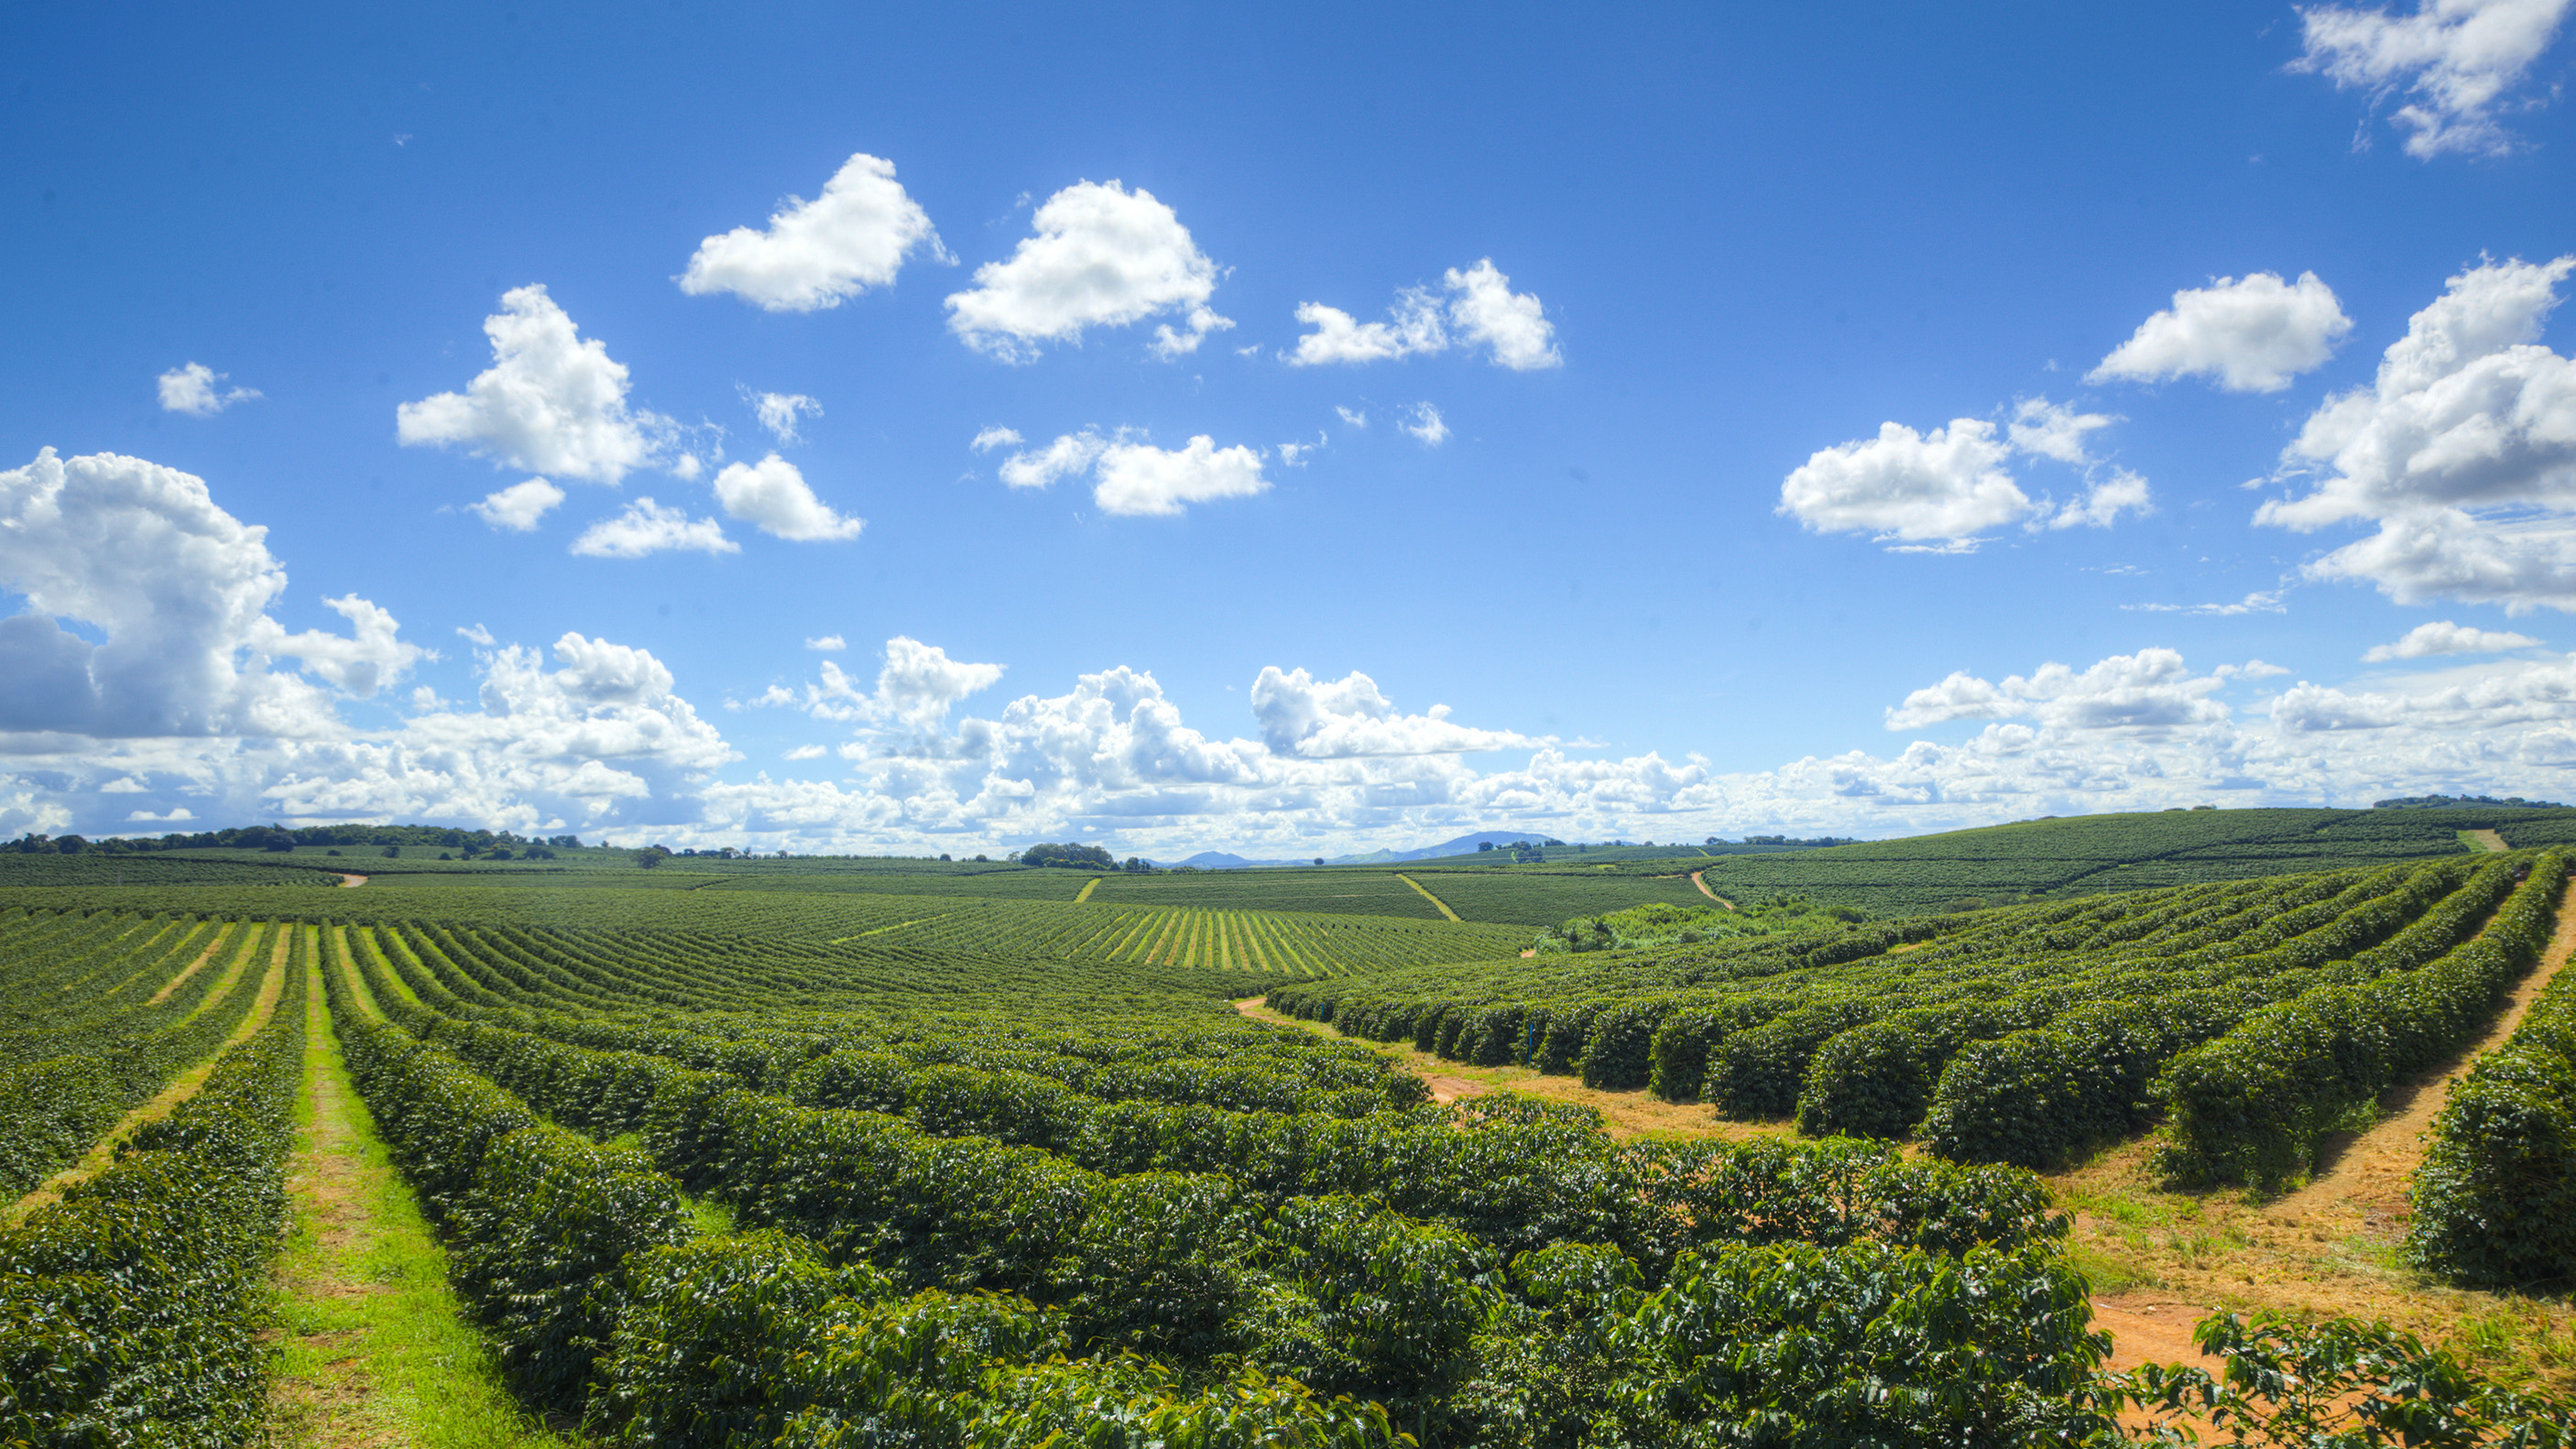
1624	1114
372	1349
348	881
2489	839
1704	890
179	1089
2328	1247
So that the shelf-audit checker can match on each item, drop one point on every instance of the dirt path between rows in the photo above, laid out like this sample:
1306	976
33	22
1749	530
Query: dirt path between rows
2330	1247
372	1351
178	1089
1704	890
349	882
1623	1114
2368	1173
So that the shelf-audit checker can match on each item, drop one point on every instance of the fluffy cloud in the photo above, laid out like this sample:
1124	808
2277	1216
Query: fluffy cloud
1139	479
519	506
551	402
179	589
371	658
1427	425
2454	59
2151	689
2104	500
772	495
2444	637
2053	430
647	527
1415	326
823	252
1937	492
2463	451
1908	486
1102	256
1135	478
193	389
778	411
827	644
2252	336
1350	718
915	687
991	438
1482	310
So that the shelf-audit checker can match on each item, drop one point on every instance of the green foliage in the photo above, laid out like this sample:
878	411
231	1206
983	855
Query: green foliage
1661	923
2250	1106
129	1310
2341	1382
2495	1200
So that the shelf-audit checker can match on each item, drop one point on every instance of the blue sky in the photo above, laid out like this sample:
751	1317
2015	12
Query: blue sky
1689	293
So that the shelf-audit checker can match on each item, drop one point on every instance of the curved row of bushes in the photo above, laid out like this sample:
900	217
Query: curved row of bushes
2495	1200
130	1309
2249	1106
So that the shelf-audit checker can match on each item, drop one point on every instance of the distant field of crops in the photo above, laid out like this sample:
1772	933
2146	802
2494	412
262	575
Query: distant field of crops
49	869
1535	900
1334	890
2008	863
2113	1010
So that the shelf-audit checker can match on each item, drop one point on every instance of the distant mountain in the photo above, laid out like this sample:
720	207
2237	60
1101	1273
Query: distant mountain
1219	860
1463	845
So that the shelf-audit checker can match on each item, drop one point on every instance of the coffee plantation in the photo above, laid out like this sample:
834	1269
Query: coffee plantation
804	1157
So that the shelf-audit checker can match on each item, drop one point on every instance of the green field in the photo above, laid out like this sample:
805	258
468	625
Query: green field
762	1151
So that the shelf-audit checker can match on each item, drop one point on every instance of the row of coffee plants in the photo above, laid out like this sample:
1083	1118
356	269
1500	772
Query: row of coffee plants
1457	1273
1998	865
101	1020
2249	1106
2495	1201
2011	1036
130	1309
576	1258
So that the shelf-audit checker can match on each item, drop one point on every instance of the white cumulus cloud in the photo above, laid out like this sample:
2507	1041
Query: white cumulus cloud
1481	310
195	389
990	438
180	590
2444	637
519	506
1351	717
819	253
2104	500
772	494
1427	425
827	644
2462	451
1102	256
2252	336
2151	689
2454	60
778	411
552	402
1134	478
1937	492
1908	486
647	527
